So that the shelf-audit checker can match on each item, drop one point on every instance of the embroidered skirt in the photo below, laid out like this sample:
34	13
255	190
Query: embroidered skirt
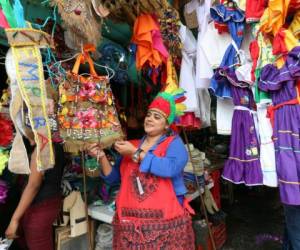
169	234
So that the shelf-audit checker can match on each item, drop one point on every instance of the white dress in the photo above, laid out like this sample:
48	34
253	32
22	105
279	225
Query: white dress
187	78
225	109
267	151
213	46
203	70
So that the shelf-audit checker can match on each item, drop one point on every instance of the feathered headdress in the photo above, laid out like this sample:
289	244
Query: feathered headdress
170	103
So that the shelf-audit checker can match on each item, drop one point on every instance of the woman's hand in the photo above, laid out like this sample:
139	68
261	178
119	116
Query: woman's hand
96	151
11	230
125	148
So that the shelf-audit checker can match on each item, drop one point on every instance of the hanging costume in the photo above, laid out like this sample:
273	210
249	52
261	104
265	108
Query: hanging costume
187	79
243	165
234	19
261	52
285	117
203	71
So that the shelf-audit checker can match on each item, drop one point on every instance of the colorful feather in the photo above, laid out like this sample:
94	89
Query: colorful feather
3	22
19	14
9	13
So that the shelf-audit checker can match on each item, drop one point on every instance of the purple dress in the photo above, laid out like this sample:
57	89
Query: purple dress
281	83
243	164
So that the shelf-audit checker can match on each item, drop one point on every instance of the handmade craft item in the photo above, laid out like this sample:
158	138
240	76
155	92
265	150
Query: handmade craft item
25	70
169	23
128	10
81	24
87	113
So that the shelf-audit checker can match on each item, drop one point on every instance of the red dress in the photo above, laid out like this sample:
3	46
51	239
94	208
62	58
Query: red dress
148	214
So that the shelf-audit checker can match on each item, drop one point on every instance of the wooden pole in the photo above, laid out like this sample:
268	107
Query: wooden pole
86	201
200	194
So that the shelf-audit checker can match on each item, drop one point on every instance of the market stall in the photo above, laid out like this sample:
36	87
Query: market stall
84	73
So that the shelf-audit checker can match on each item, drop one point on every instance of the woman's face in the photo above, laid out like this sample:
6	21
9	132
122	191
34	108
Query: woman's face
155	123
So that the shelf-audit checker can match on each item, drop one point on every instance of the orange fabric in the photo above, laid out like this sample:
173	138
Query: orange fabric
274	16
81	59
159	194
272	109
284	41
272	22
143	36
295	24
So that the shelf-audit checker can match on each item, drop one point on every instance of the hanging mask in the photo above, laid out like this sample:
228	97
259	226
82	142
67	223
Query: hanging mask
81	25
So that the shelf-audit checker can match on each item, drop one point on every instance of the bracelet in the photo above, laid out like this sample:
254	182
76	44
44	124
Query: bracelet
140	158
137	155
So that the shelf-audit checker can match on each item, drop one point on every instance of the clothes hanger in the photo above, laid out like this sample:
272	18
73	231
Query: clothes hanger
107	69
229	3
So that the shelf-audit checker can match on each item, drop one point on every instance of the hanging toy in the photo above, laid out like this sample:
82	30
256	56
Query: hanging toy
81	24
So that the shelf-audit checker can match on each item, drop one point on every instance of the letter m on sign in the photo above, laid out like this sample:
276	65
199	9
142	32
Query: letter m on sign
32	71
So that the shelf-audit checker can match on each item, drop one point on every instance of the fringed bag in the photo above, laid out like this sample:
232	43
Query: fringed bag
87	113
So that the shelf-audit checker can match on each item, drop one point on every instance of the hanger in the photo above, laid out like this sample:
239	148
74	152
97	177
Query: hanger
107	69
65	60
229	3
110	72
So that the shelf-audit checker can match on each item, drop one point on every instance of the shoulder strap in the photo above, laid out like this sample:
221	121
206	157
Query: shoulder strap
163	146
135	142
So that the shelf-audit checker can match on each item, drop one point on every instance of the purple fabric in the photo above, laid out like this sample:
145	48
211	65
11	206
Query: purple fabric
281	83
243	165
3	191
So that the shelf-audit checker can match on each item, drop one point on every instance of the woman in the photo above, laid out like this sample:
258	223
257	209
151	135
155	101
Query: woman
39	205
150	207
